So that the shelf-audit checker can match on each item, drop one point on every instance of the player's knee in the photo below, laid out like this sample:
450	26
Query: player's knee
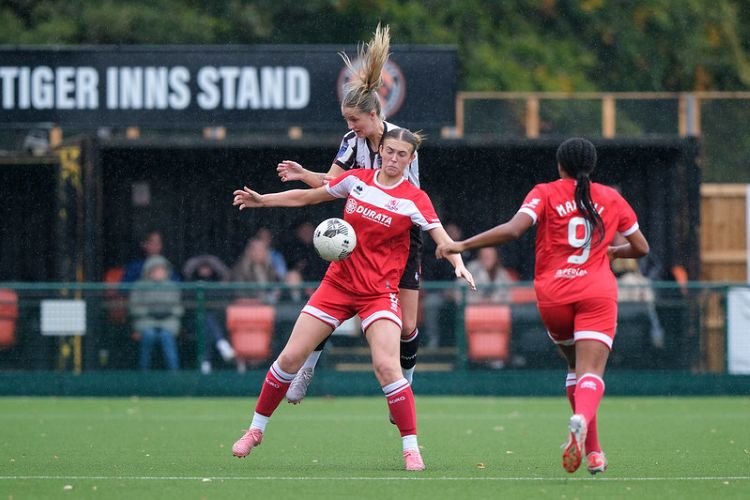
386	372
290	362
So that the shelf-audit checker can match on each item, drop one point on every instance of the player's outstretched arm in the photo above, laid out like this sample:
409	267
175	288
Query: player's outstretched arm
498	235
440	236
289	170
247	198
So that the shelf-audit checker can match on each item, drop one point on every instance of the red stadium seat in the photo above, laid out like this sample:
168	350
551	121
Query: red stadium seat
8	317
488	332
250	327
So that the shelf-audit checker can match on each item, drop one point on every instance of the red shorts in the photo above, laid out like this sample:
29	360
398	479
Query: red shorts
332	305
589	319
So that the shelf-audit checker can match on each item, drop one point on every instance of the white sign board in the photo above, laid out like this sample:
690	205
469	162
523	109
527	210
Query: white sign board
63	317
738	331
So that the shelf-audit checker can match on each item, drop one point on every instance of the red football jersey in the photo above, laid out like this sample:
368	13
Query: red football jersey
382	218
568	268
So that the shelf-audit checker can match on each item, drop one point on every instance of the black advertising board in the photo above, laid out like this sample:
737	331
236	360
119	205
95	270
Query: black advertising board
255	87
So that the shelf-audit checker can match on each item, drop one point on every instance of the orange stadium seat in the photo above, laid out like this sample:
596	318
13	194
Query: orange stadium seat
488	332
250	327
8	317
522	294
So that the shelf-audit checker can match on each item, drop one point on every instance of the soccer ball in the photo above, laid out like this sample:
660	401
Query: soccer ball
334	239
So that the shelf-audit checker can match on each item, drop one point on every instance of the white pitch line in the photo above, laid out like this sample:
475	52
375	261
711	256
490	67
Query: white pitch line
392	478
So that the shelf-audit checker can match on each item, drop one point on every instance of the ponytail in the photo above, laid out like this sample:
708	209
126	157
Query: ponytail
577	157
361	93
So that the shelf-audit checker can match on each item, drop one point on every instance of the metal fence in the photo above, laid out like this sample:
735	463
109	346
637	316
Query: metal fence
89	327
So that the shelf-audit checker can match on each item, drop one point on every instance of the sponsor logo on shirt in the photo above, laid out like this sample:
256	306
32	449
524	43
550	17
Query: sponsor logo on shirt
570	273
370	214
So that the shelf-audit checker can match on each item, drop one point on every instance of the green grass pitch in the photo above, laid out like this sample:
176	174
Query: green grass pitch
474	447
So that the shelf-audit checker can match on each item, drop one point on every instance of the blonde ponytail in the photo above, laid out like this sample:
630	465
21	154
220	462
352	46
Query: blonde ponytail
361	92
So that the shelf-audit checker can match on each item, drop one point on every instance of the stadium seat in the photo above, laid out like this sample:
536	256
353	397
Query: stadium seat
250	327
8	317
115	302
522	294
488	333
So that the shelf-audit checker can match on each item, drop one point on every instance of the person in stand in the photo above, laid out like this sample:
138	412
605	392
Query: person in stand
363	112
577	221
491	277
381	206
150	244
210	269
255	266
156	309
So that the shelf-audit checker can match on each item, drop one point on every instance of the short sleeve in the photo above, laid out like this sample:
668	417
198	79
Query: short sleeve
628	222
346	155
341	186
533	204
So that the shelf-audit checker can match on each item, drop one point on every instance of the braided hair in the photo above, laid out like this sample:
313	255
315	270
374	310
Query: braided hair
577	156
361	92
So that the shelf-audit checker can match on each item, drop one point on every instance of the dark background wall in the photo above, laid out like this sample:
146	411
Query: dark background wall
475	184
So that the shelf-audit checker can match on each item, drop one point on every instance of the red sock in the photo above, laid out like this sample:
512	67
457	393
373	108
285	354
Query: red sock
588	394
400	400
592	436
273	391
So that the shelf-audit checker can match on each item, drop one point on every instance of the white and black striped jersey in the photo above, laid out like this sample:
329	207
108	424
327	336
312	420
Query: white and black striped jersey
355	152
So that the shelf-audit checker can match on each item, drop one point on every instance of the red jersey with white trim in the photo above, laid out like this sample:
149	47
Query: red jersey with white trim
382	217
568	268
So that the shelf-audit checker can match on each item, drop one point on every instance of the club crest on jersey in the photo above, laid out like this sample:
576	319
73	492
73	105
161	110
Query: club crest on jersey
351	206
392	205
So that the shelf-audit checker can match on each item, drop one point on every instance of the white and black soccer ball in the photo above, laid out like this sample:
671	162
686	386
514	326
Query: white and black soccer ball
334	239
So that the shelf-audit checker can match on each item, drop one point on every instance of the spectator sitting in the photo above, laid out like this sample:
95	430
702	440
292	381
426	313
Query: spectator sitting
277	259
210	268
633	286
254	266
150	244
156	310
301	254
435	302
491	277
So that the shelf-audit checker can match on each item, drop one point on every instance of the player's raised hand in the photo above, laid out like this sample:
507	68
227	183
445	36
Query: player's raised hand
247	198
462	272
289	170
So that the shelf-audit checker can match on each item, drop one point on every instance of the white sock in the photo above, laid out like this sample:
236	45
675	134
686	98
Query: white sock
408	373
259	422
409	443
312	359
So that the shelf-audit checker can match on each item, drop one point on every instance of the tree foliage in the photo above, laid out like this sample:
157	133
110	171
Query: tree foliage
564	45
